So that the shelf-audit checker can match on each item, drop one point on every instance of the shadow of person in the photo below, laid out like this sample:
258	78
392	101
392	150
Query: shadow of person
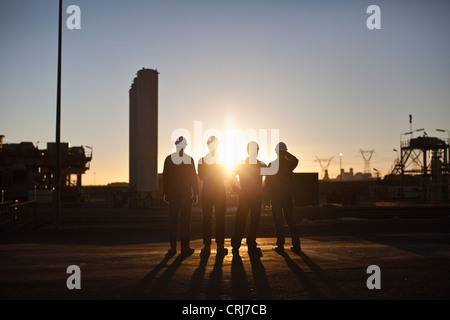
162	282
137	293
307	284
197	277
330	283
239	282
263	290
213	290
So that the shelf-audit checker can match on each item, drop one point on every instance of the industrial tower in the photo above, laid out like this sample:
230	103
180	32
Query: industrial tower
422	156
144	134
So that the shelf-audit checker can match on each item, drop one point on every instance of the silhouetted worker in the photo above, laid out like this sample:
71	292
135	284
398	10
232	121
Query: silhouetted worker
180	191
250	198
280	187
212	173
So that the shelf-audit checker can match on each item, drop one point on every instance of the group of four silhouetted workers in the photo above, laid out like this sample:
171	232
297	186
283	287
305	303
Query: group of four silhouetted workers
181	192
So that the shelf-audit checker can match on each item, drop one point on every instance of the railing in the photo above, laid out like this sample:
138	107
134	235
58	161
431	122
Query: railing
5	215
405	144
15	215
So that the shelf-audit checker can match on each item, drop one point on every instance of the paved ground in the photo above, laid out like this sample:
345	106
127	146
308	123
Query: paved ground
130	262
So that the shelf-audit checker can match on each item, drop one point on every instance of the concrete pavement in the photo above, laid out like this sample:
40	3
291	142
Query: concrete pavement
413	266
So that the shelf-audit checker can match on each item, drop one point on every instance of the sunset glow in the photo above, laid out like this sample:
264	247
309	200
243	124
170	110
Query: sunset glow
314	72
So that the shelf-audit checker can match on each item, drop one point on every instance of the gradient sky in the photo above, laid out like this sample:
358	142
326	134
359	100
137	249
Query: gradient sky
311	69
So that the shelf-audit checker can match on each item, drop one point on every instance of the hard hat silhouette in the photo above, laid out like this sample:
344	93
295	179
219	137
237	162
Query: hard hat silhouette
281	147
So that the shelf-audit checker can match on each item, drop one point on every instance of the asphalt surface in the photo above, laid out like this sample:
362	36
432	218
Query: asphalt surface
122	254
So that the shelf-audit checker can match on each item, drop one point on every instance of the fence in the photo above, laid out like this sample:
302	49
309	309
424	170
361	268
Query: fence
15	215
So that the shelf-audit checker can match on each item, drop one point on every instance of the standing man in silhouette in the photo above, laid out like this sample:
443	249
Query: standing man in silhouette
250	198
181	192
280	188
212	172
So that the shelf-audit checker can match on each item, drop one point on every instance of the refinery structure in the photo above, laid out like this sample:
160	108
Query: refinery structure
427	156
143	152
29	173
420	172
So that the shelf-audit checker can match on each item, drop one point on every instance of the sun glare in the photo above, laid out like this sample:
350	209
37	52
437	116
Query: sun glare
229	157
233	149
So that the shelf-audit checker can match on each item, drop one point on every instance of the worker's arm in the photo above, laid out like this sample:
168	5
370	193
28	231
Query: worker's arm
167	172
233	180
194	180
292	160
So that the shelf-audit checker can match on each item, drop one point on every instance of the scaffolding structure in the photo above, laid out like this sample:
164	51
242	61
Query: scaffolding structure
426	158
422	156
25	168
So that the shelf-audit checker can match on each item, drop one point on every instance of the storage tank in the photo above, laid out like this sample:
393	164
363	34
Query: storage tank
143	154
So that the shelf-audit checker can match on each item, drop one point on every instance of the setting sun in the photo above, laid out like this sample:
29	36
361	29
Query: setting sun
233	147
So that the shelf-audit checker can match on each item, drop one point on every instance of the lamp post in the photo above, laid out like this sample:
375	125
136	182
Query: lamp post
448	143
448	131
404	134
58	125
340	164
377	172
407	133
418	130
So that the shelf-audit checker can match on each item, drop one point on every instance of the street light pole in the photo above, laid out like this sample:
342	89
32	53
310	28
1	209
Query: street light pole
58	126
447	154
417	130
404	134
340	164
395	150
377	172
448	131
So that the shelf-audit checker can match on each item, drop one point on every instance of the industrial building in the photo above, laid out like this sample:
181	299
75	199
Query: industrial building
427	159
421	174
428	156
143	153
28	173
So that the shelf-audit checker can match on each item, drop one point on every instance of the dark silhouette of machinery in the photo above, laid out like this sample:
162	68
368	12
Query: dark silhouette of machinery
421	155
428	159
25	169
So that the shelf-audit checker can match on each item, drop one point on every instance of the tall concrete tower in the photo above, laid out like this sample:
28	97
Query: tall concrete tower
144	132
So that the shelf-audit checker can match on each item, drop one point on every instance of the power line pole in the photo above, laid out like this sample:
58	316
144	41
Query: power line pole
367	156
324	164
58	126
